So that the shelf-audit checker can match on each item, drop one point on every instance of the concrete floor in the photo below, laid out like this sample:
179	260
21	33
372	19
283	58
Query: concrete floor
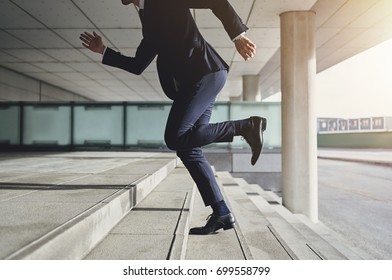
40	192
355	200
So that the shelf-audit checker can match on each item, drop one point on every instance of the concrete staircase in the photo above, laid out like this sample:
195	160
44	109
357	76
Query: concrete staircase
157	228
270	231
141	206
60	206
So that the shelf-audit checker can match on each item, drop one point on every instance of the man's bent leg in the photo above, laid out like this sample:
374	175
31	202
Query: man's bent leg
184	131
201	172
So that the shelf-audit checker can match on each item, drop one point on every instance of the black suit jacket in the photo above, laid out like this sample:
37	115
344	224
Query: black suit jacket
170	32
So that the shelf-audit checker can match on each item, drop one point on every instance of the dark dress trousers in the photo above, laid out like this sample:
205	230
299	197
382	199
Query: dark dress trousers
191	73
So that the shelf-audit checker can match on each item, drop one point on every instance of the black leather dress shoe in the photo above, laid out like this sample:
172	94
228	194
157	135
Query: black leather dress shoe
215	223
254	136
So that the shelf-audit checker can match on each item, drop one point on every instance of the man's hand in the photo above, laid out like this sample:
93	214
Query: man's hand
245	47
92	42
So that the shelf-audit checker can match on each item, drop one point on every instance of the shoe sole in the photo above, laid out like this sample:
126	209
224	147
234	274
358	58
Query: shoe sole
264	124
228	227
263	127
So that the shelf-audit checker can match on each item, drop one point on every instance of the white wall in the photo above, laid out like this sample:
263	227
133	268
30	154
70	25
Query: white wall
18	87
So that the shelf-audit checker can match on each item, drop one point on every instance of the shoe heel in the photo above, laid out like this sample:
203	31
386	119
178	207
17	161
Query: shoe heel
264	123
230	226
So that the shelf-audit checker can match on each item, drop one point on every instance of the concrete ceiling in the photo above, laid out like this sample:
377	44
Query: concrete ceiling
344	28
40	38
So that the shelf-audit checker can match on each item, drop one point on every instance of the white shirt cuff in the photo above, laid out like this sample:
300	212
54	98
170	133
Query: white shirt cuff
141	4
104	51
239	36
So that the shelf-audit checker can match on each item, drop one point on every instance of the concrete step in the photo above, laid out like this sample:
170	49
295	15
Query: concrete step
68	208
295	233
295	237
350	252
224	245
256	238
264	221
157	228
322	240
256	235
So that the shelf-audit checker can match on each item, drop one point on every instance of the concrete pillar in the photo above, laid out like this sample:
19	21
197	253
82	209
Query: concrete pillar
251	88
299	133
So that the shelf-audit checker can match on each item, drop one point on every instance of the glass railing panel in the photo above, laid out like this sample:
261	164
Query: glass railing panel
220	113
98	124
146	124
270	111
46	124
104	124
9	124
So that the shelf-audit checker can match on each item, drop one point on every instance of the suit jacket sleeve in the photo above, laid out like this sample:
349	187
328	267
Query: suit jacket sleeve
224	12
145	54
